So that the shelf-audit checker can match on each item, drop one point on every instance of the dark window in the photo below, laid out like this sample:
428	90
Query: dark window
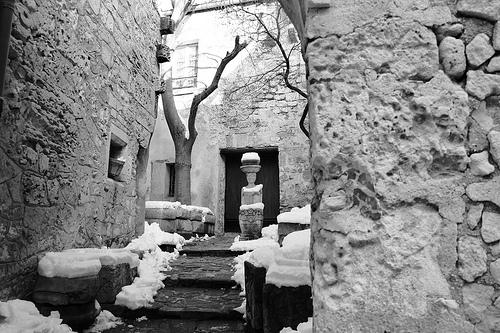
185	68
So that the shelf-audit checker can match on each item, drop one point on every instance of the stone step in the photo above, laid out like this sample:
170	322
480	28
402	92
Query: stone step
201	272
179	326
187	303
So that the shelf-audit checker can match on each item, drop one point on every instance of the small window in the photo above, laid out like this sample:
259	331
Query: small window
185	67
117	153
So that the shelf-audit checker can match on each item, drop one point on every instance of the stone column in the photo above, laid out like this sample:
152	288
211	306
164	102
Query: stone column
394	125
252	209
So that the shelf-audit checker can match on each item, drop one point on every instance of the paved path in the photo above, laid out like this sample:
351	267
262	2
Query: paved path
199	295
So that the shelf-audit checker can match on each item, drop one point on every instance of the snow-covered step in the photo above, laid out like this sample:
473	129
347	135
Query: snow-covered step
188	303
202	272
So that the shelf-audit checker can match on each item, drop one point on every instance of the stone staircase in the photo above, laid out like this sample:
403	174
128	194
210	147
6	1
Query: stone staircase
199	295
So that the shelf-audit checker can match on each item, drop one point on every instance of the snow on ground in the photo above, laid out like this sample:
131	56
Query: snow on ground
24	317
142	291
296	215
104	321
269	238
301	328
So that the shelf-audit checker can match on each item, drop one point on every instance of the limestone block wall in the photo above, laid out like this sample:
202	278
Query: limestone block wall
80	77
404	101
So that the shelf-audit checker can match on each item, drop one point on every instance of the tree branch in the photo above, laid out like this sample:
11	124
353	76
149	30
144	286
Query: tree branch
211	88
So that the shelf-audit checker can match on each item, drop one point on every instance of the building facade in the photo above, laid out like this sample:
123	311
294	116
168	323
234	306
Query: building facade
79	103
235	119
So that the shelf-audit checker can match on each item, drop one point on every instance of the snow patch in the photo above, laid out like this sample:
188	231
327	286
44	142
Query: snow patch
252	156
301	328
296	215
23	316
258	205
104	321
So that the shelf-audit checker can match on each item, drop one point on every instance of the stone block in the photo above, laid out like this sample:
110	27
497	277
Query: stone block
209	228
182	213
494	65
77	316
285	228
452	56
482	85
183	226
285	307
479	164
111	280
210	219
63	291
484	9
255	278
196	215
479	50
198	227
161	213
496	37
167	225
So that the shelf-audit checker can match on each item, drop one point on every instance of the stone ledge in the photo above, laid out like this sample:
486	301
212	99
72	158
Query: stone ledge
174	217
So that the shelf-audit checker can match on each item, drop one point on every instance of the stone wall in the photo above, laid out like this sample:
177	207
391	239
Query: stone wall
404	101
81	75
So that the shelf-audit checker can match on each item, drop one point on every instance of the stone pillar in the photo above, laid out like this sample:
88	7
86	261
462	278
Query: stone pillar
252	209
394	126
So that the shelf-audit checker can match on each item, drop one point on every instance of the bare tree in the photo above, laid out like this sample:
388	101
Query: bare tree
184	138
266	23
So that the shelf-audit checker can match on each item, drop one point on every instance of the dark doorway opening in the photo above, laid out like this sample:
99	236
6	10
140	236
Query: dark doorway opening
236	179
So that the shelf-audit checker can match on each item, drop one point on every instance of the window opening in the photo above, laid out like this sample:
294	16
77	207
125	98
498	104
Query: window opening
171	179
116	156
185	69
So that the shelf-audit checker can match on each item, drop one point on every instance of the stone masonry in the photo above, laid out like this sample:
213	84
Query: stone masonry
404	103
81	73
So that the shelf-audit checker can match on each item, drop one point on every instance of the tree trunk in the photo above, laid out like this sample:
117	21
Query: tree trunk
183	172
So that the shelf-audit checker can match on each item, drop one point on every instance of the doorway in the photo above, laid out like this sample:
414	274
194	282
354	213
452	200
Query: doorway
236	179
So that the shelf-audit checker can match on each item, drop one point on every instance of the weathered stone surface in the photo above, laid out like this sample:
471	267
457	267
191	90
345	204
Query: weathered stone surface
482	85
77	316
479	50
452	56
494	65
487	191
490	229
111	280
477	298
449	29
285	306
57	122
471	258
64	291
255	278
474	215
495	270
479	164
496	37
494	139
161	213
485	9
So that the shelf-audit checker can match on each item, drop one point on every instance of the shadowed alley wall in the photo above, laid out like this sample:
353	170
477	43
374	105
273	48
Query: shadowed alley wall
79	87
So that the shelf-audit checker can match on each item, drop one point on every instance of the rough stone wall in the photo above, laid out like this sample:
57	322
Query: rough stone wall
78	72
404	101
